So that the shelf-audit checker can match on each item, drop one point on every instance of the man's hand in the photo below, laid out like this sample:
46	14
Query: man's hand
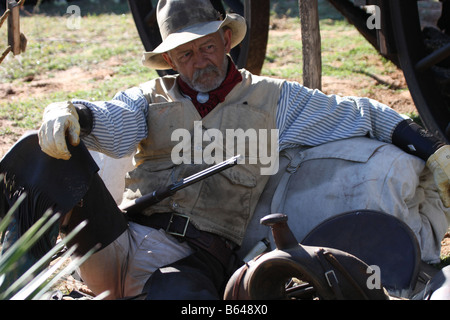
439	164
60	119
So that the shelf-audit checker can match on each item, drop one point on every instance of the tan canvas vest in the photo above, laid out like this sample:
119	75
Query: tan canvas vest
224	203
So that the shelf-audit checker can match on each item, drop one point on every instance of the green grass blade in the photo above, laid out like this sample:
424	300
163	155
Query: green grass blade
27	240
30	289
4	223
19	283
76	262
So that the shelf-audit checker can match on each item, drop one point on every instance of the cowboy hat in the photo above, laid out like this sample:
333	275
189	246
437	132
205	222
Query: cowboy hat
182	21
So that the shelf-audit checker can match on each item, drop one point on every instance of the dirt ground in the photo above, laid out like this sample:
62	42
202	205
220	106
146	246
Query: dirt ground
44	84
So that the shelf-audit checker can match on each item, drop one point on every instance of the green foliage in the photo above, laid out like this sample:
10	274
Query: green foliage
37	281
106	39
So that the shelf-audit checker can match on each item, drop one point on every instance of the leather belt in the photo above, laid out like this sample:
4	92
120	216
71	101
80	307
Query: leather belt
180	227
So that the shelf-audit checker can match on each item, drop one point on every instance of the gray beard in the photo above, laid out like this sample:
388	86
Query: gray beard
213	84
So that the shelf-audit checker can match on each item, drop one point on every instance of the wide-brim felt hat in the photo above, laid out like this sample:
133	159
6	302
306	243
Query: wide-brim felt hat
182	21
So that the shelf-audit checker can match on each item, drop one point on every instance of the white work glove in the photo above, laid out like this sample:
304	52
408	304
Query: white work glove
439	164
60	119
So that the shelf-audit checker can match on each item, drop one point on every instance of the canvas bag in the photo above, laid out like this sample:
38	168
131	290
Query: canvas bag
315	184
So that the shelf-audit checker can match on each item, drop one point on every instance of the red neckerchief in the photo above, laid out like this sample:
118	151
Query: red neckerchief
215	96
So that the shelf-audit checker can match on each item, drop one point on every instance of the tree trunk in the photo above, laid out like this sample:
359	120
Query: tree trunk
312	60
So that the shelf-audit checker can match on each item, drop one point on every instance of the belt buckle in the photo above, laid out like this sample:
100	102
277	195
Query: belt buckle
174	233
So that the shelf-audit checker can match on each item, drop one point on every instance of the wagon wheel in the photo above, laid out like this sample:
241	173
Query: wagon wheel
426	69
422	53
250	54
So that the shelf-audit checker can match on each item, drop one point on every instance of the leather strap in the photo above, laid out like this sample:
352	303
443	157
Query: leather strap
180	227
329	263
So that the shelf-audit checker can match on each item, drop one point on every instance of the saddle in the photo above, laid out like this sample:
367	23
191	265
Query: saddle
336	260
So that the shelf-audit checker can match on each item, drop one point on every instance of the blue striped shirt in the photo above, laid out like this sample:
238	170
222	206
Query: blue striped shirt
304	117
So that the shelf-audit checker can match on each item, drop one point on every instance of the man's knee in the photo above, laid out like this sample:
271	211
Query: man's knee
196	277
105	221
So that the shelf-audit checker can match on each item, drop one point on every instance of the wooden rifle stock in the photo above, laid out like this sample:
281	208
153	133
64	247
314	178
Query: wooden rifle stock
164	192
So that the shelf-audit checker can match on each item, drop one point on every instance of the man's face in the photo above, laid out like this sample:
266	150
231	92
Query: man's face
202	63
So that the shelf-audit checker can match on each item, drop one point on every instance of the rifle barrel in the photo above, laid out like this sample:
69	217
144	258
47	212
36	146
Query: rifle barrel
164	192
205	173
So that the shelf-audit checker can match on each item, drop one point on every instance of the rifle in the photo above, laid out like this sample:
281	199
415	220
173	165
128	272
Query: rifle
164	192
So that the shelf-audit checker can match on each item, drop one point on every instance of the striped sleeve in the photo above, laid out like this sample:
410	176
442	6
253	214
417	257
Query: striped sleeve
310	118
119	124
